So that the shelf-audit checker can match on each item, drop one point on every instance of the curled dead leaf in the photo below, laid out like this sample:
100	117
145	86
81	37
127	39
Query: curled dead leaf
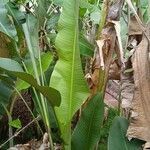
140	124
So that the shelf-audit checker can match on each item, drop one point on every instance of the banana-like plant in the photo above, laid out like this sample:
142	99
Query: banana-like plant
67	77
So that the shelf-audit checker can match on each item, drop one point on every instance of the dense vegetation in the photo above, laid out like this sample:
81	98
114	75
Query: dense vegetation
57	58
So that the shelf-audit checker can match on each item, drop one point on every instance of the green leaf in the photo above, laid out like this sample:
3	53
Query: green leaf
41	11
58	2
33	30
50	93
11	65
68	77
117	139
5	94
15	123
14	68
14	11
46	59
6	25
86	48
87	131
51	23
85	4
7	80
95	16
82	12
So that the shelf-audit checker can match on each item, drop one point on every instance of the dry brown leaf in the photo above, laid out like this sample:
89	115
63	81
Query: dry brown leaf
4	50
106	47
134	27
127	94
112	94
147	146
115	10
136	15
127	88
140	120
100	44
114	72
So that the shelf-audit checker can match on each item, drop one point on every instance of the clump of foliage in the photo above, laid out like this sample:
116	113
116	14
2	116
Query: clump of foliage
55	52
112	113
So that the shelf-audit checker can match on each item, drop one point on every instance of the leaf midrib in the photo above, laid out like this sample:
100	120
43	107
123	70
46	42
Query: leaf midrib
72	73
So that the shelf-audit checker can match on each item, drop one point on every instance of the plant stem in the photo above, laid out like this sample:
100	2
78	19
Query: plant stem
11	142
67	138
27	36
28	109
101	26
35	93
44	109
103	19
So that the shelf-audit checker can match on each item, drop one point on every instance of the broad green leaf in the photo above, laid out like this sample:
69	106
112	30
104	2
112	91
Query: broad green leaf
82	12
50	93
15	123
85	4
14	68
5	94
14	11
7	80
41	11
51	23
68	77
6	24
87	131
46	59
117	139
86	48
58	2
19	18
95	16
33	29
11	65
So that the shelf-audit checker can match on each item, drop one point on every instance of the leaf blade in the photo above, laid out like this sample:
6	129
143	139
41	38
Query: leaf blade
117	136
14	68
68	77
6	26
87	131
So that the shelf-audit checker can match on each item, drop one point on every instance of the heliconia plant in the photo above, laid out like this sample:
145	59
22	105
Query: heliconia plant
61	51
67	76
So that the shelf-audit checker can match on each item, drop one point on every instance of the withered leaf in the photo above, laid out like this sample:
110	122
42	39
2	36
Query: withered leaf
140	123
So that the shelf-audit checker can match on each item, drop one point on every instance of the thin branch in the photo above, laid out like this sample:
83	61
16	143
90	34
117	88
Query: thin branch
17	133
